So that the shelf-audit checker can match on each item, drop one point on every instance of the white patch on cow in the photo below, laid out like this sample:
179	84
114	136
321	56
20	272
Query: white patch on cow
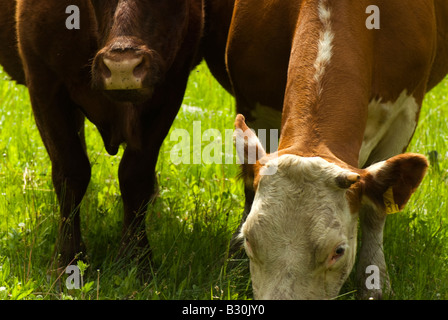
298	217
325	44
389	128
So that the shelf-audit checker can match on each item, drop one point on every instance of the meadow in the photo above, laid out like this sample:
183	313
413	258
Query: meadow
198	208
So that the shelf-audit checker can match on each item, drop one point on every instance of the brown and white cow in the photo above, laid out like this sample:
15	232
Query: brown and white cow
125	68
350	98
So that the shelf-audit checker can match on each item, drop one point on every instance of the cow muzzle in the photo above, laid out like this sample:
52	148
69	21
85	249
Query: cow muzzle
125	74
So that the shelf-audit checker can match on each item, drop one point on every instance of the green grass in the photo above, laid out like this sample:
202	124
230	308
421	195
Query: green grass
190	223
194	216
416	240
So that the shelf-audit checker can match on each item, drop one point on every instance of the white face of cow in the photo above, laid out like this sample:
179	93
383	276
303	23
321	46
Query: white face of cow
300	235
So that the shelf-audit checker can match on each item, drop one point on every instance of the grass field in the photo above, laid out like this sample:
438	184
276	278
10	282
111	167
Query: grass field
194	216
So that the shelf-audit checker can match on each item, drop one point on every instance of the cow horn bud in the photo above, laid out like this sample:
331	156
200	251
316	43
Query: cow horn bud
345	180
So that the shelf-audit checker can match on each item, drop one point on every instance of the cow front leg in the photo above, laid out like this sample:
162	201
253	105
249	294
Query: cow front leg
61	126
137	167
70	181
371	272
137	184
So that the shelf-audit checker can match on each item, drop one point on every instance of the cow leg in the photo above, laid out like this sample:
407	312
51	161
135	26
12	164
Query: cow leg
137	167
61	126
137	184
371	255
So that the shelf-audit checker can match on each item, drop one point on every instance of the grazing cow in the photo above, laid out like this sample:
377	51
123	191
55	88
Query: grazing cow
124	65
350	97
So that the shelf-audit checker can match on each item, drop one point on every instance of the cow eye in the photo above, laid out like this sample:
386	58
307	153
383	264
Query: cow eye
340	250
337	254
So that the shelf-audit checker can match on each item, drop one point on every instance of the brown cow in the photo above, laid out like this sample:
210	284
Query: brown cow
9	57
350	97
126	70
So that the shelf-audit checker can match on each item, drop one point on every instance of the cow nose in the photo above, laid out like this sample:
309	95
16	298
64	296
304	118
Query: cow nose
123	72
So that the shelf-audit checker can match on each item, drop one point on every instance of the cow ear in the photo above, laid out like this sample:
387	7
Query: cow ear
248	146
390	184
249	150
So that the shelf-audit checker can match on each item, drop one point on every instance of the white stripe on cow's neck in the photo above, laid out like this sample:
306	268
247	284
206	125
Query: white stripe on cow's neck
325	45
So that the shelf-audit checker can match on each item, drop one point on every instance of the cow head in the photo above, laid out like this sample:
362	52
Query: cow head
301	232
138	41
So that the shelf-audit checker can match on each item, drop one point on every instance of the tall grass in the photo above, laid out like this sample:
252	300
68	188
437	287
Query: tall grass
189	224
416	240
192	219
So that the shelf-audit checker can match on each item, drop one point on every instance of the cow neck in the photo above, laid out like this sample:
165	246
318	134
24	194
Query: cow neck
323	113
